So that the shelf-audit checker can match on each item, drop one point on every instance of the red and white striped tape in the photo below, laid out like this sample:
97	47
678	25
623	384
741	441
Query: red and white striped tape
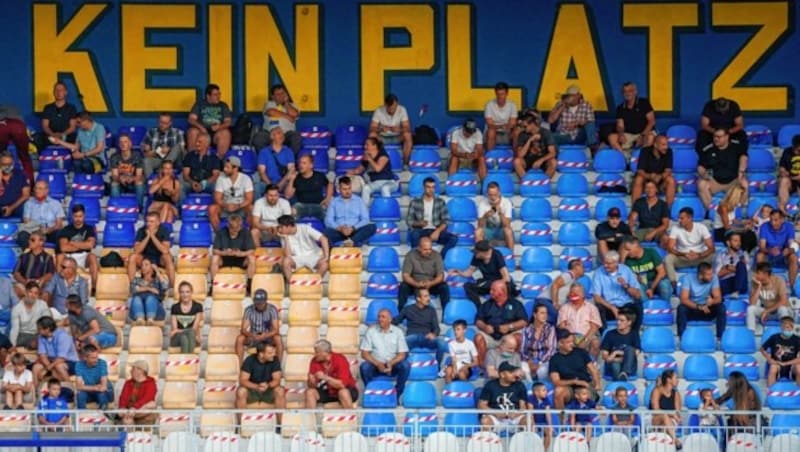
348	158
6	238
305	282
122	209
223	438
762	183
535	183
400	440
572	207
339	418
565	257
537	232
783	393
568	164
657	311
387	230
455	283
427	363
533	286
500	160
93	420
343	308
383	286
461	183
412	419
465	236
754	133
309	440
14	418
696	392
735	314
229	388
572	437
54	157
676	140
107	309
174	418
417	164
223	285
181	362
634	161
258	417
268	258
139	439
659	439
340	257
747	444
192	257
457	395
380	391
689	181
295	390
315	134
486	437
194	207
609	183
87	187
737	365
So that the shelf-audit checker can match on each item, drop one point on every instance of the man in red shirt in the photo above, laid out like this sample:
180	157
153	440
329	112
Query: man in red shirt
329	378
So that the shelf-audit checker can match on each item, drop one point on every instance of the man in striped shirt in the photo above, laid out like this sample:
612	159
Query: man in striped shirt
260	324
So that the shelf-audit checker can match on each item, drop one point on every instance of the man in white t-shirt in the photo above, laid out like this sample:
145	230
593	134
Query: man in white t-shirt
494	218
233	193
303	246
390	123
266	211
501	117
281	112
689	244
466	149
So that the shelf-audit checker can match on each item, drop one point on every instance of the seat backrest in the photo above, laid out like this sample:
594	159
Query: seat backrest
180	442
179	395
458	394
658	442
195	234
229	285
743	442
655	364
381	285
605	204
534	184
226	313
570	442
308	442
738	340
536	209
374	308
441	442
301	339
485	442
685	160
182	367
424	160
572	185
222	339
392	442
350	442
265	441
700	368
345	338
783	395
525	442
419	394
658	340
222	442
460	310
698	339
462	209
786	133
574	234
346	260
537	260
534	284
613	442
785	442
383	259
609	161
458	258
145	339
461	184
700	441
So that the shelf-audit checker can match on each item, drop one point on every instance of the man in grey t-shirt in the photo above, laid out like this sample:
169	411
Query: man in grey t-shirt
281	112
213	117
89	326
423	269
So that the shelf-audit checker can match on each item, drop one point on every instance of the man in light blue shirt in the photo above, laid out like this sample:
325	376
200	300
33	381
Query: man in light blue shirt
57	353
384	351
615	288
701	299
347	218
8	299
88	152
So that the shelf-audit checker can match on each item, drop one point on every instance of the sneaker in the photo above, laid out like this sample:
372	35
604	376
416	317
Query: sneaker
622	376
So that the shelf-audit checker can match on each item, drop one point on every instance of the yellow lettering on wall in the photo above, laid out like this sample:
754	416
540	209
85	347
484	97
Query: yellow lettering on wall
660	20
264	43
462	96
52	55
220	49
377	60
138	57
572	43
773	19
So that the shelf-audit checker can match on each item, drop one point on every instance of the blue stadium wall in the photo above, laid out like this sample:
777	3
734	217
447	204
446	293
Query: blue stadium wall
125	60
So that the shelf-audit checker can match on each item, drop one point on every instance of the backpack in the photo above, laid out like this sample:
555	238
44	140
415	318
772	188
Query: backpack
425	134
242	128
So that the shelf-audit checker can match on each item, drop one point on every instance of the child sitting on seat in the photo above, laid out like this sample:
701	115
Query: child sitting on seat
582	422
53	407
621	404
17	381
463	354
540	401
708	419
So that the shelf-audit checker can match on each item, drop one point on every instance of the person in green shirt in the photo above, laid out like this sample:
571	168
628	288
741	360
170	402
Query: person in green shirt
647	265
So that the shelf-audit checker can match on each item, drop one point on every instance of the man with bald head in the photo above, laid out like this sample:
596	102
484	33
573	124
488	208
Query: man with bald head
423	269
498	317
384	351
200	167
506	352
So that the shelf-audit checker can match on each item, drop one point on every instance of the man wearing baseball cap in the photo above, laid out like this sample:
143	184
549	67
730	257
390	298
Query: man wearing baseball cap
233	193
507	396
466	149
610	233
574	119
260	324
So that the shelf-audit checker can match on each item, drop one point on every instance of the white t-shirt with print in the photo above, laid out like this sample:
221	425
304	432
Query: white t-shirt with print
465	352
494	220
694	240
233	192
304	241
24	378
466	144
500	116
384	119
268	215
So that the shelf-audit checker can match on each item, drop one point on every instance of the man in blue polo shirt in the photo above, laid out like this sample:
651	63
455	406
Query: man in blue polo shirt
91	380
701	299
57	354
774	244
615	287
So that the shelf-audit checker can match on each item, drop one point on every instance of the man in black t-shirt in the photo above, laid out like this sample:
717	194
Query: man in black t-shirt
58	119
492	266
260	379
620	348
152	242
310	191
720	113
655	164
649	217
233	248
635	121
722	165
201	168
497	317
507	396
782	352
571	367
789	172
77	240
535	148
610	233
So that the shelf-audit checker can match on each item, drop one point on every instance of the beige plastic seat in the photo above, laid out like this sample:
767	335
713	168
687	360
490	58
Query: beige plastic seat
193	260
296	391
337	422
179	395
146	339
305	286
294	423
344	286
301	339
124	253
222	339
112	364
344	312
226	313
182	367
116	348
153	362
253	422
172	422
273	283
346	260
344	338
267	259
216	421
295	366
229	286
219	395
199	282
115	310
112	286
222	367
304	313
353	361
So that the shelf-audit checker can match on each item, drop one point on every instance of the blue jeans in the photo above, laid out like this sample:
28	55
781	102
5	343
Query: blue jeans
359	236
146	306
399	370
118	189
663	290
105	339
737	283
586	135
439	345
627	365
446	239
102	399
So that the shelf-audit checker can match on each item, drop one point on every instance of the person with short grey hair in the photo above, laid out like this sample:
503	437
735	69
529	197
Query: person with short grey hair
615	287
329	378
384	351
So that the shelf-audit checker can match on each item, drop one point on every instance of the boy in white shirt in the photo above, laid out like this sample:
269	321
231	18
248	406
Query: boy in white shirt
17	382
463	354
303	246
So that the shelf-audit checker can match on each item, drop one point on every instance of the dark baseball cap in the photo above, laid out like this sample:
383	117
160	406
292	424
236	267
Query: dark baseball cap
562	333
614	213
505	366
470	126
260	296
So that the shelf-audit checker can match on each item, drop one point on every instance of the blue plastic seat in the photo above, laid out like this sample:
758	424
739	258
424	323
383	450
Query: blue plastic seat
573	209
384	209
692	399
319	156
658	339
786	133
386	234
349	143
375	306
136	134
536	234
681	135
346	159
382	285
195	234
738	340
425	159
686	182
380	394
760	160
699	367
456	285
119	234
762	184
574	234
459	309
504	180
54	158
688	201
247	155
122	208
499	160
195	206
461	185
395	157
458	394
746	364
655	364
635	153
350	136
424	367
422	423
572	159
536	209
735	312
783	395
88	185
698	339
684	160
91	205
537	260
464	231
570	253
758	134
376	424
417	182
462	209
535	285
316	137
784	423
657	312
572	185
8	230
508	256
383	259
606	185
611	389
461	424
8	260
57	181
534	184
609	161
458	258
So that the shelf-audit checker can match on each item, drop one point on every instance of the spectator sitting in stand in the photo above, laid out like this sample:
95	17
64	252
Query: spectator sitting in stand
211	116
649	217
88	151
201	168
77	240
428	217
233	194
57	354
127	171
53	407
423	269
41	213
390	123
582	423
260	325
789	172
422	325
463	354
649	269
280	112
266	211
492	267
377	168
621	347
732	266
233	247
88	326
35	265
152	242
535	148
15	187
275	164
303	246
384	351
310	191
581	319
782	352
721	165
768	297
725	221
163	143
611	232
347	217
186	316
17	382
506	352
570	368
63	284
329	378
689	244
260	379
506	396
147	294
24	315
494	217
59	119
775	244
574	119
538	343
701	299
720	114
165	192
636	122
559	290
138	397
614	287
466	149
500	114
91	380
497	317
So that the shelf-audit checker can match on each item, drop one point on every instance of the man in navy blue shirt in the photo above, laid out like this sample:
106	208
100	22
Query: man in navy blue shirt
492	266
620	348
497	317
14	188
774	244
570	368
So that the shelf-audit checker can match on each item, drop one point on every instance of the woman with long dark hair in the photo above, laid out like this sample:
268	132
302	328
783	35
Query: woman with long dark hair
538	343
665	397
744	399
